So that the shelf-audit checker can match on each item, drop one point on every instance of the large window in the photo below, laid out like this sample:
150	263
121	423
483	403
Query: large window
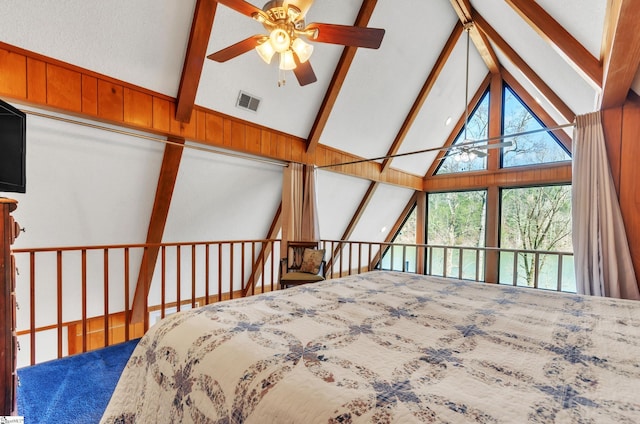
456	219
527	149
537	219
402	258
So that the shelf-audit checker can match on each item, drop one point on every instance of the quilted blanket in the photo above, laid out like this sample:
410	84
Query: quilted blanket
387	347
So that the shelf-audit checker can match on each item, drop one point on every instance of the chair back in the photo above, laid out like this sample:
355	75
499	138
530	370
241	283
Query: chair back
295	252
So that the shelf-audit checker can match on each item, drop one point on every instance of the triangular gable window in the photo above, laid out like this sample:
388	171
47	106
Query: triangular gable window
459	160
529	149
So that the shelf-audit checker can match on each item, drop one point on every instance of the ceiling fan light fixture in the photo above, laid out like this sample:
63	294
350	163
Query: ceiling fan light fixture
266	50
287	62
302	49
280	40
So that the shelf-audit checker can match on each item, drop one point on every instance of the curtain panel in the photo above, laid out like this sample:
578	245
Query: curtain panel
603	265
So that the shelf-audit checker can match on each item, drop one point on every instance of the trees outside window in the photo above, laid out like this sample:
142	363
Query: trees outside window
456	219
527	149
536	219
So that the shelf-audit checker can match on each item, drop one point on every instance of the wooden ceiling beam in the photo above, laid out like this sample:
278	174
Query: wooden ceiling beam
194	59
340	74
621	51
526	70
560	39
164	192
424	93
465	12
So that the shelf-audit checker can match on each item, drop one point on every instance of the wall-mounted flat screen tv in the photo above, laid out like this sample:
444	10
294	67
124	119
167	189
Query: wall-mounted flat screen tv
13	144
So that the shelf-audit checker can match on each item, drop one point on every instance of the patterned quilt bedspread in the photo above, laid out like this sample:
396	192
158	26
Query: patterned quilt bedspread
387	347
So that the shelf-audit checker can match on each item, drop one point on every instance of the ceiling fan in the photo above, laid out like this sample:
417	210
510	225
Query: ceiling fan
285	23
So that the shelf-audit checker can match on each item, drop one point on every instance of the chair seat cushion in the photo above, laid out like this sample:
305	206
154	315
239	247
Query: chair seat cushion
301	276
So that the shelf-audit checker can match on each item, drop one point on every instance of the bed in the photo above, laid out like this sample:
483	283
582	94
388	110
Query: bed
389	347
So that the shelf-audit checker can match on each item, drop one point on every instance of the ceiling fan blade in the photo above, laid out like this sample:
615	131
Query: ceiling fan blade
494	146
304	72
236	49
345	35
478	153
243	7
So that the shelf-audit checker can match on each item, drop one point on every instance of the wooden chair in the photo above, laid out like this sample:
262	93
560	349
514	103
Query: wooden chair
295	271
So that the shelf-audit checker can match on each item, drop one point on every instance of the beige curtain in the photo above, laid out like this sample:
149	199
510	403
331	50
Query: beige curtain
310	230
292	199
299	205
603	265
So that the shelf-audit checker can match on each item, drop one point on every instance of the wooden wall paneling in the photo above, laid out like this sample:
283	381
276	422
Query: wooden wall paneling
612	126
137	108
89	95
265	142
630	180
64	88
37	81
14	69
238	140
253	139
161	109
110	101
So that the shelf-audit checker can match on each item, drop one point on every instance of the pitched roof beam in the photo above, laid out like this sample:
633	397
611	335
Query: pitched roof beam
465	13
164	193
366	10
194	59
621	51
526	70
424	93
560	39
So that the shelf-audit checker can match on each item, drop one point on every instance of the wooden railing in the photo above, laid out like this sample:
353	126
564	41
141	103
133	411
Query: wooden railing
77	299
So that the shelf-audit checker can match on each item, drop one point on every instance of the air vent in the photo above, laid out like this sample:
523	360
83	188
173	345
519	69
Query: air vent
247	101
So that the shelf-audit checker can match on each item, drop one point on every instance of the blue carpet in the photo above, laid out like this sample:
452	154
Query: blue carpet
74	390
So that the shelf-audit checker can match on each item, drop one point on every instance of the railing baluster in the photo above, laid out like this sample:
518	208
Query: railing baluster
59	302
127	317
163	282
477	264
106	296
193	276
206	274
515	268
560	262
460	257
445	258
178	280
219	272
32	306
84	300
536	262
231	270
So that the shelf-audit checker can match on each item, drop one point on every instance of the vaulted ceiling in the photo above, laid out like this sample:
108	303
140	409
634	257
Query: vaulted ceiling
569	58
